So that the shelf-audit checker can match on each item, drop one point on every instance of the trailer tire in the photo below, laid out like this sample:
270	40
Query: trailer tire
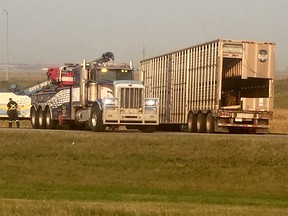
41	119
34	118
210	127
50	124
201	123
96	121
192	123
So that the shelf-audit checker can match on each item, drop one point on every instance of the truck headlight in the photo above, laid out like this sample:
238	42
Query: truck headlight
110	101
150	102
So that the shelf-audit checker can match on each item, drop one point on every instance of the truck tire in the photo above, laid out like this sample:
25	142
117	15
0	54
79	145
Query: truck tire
192	123
34	118
210	123
96	121
201	123
41	119
50	124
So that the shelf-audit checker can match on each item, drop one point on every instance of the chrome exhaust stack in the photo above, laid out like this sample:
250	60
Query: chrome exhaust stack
83	89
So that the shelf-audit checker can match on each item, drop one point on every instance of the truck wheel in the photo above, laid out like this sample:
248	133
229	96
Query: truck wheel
147	129
201	123
210	123
192	123
50	124
34	118
41	119
96	121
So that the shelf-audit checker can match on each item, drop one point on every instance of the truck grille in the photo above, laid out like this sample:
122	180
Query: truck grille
131	98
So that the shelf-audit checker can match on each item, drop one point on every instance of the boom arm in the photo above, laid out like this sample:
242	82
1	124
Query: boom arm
37	87
104	58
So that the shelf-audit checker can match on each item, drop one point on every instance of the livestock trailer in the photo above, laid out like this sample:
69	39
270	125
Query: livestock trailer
218	86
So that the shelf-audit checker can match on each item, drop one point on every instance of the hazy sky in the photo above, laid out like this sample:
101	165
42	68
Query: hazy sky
60	31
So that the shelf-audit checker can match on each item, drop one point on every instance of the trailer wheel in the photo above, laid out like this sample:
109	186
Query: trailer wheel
96	121
210	123
192	123
41	119
50	124
34	118
201	123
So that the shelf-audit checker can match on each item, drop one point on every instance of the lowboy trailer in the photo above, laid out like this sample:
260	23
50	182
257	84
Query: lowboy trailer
218	86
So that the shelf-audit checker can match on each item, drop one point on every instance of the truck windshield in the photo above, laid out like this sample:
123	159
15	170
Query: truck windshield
108	75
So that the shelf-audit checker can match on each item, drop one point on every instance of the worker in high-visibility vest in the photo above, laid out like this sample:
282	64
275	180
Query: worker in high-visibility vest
13	113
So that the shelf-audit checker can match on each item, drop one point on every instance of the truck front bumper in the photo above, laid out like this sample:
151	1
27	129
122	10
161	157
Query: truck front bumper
149	117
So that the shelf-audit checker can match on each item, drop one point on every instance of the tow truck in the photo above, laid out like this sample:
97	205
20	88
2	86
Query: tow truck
94	95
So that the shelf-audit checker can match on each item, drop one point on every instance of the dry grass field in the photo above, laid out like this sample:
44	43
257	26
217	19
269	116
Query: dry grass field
85	173
76	208
23	79
279	123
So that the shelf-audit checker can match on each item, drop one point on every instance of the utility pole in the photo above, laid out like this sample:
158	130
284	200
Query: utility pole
7	48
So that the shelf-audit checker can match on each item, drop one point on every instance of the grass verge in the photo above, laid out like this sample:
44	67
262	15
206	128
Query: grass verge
76	208
152	173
